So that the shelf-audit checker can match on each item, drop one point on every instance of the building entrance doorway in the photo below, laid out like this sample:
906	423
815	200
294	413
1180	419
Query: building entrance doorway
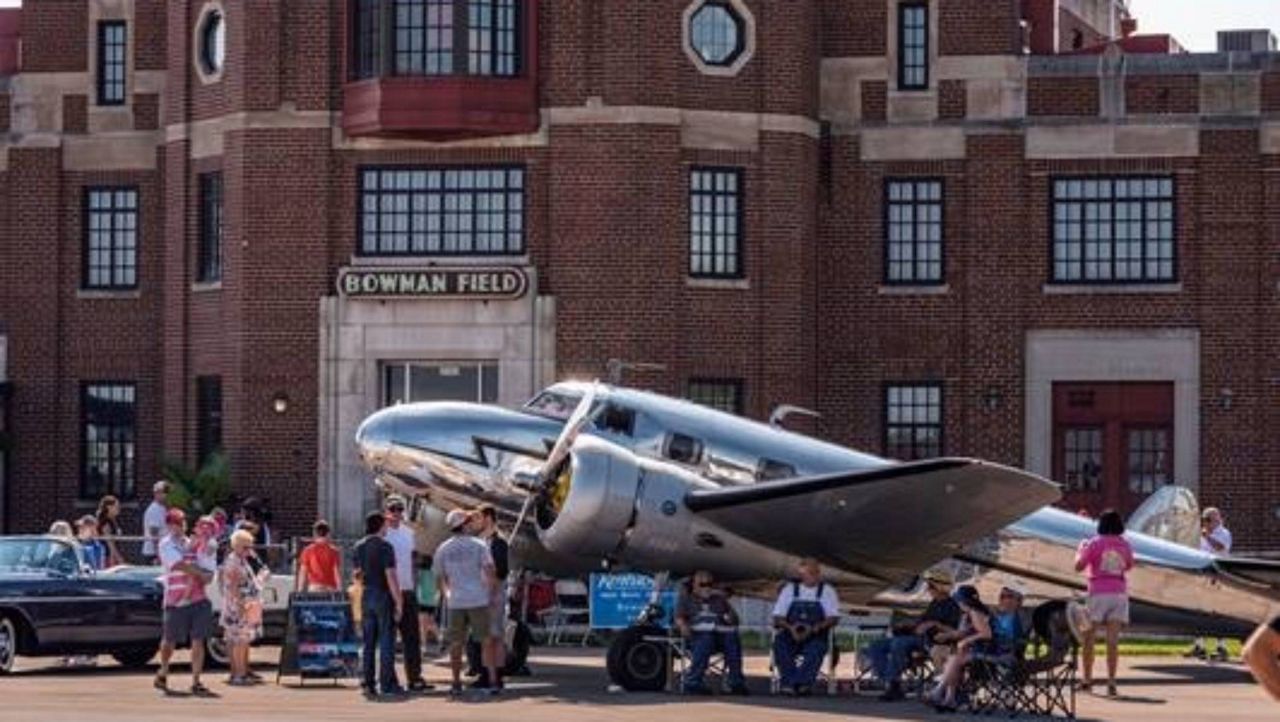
406	382
1113	443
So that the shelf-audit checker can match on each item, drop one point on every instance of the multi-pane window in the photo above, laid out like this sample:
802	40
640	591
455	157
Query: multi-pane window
715	222
208	416
111	238
913	231
437	37
108	414
112	44
720	394
459	211
1150	460
913	46
415	381
1113	230
913	421
715	31
209	252
1082	458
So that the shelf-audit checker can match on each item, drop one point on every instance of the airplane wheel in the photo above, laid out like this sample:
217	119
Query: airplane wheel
216	654
8	645
636	664
135	656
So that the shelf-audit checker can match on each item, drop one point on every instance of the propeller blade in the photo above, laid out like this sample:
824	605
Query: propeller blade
578	420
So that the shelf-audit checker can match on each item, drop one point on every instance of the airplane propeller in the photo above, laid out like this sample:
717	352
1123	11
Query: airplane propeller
578	420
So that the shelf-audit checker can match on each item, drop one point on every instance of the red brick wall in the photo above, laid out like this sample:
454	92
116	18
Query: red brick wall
953	99
979	27
150	32
55	35
4	112
1271	91
75	113
146	111
875	100
854	27
1162	94
1073	96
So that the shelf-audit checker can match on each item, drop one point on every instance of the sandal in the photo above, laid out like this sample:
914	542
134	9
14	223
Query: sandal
199	690
161	683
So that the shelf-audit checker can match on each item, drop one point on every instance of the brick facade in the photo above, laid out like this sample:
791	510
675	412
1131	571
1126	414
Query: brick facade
815	122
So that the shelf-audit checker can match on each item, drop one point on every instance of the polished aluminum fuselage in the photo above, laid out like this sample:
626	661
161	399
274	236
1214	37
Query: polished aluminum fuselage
455	455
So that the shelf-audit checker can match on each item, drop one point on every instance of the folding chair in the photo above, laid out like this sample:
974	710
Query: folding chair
826	672
1041	681
571	608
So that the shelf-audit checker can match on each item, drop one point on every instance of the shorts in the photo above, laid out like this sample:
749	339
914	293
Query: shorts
462	620
1109	608
187	624
498	612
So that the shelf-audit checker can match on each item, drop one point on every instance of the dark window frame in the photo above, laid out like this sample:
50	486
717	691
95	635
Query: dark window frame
1144	279
916	243
740	245
739	397
212	227
112	92
205	50
87	212
126	486
361	189
376	22
740	28
942	415
903	66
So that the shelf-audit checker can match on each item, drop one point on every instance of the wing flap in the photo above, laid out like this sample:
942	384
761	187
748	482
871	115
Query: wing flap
889	523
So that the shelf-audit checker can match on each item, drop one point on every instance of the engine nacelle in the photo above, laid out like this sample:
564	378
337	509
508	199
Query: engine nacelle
592	503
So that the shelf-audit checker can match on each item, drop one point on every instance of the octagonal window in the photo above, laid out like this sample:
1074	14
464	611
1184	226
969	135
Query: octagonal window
716	33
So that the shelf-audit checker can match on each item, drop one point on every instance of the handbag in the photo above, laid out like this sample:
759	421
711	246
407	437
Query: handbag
253	612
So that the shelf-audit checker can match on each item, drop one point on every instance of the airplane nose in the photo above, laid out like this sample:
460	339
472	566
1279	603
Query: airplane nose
373	438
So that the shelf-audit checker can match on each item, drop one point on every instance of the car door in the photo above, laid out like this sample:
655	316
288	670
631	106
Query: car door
124	610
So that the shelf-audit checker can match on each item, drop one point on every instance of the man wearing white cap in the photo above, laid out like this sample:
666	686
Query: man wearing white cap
467	576
153	521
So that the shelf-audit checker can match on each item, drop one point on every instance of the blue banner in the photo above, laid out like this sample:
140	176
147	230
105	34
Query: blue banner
618	599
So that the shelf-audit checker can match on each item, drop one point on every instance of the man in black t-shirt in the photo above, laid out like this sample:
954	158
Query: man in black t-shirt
1262	654
375	560
890	656
484	524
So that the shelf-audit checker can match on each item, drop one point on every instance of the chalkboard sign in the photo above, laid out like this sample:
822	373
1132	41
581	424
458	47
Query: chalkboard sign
320	639
617	599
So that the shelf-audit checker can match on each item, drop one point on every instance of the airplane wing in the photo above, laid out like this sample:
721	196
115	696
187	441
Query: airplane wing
889	523
1259	572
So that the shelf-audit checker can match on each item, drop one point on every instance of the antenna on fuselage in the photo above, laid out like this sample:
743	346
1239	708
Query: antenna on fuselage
782	411
617	366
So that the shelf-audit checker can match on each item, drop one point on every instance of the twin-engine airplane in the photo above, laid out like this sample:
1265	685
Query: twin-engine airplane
593	476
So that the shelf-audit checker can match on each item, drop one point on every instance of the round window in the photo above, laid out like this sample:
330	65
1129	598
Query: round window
716	33
213	42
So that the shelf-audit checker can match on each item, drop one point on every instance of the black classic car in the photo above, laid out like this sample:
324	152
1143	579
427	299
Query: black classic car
53	603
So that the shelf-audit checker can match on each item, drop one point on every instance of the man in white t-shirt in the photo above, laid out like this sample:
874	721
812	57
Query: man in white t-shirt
401	539
1215	539
153	522
805	612
189	566
466	574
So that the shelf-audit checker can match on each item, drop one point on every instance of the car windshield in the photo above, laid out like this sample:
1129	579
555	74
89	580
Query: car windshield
38	555
554	405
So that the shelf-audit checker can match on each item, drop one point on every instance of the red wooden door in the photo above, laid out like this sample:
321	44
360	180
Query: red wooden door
1112	443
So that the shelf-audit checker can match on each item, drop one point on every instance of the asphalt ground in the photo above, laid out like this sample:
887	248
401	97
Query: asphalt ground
571	685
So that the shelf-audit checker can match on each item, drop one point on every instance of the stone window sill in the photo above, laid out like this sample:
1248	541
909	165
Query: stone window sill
86	294
728	284
1085	289
915	290
206	286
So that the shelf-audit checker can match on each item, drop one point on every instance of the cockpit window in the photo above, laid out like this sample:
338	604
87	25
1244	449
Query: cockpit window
616	419
770	470
683	449
553	405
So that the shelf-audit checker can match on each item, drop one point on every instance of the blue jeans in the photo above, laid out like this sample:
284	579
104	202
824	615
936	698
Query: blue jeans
704	644
377	628
811	652
892	655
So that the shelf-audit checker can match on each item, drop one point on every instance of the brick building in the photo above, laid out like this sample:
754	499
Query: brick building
971	227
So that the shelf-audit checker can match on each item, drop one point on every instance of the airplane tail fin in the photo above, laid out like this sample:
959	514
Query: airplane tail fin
1171	514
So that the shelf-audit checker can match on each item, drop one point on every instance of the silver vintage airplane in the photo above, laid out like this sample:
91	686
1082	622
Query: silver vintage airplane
592	476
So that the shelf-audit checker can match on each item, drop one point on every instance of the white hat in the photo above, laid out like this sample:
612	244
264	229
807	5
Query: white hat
456	519
161	485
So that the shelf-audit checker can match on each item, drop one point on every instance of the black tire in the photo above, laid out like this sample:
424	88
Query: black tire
216	654
8	644
636	664
135	657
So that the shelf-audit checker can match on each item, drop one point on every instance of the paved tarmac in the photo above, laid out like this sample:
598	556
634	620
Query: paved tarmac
569	686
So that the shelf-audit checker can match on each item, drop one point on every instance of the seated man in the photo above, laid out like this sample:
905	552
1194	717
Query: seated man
705	617
805	611
890	656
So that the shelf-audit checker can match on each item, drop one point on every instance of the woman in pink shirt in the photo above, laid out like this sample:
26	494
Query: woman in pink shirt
1108	557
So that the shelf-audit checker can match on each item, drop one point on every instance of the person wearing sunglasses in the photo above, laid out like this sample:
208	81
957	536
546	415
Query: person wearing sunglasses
709	623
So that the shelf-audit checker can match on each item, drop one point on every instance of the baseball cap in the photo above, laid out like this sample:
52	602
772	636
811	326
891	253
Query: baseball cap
939	577
174	516
395	501
456	519
161	485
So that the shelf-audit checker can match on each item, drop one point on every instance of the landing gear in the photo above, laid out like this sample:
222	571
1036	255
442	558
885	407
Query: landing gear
637	662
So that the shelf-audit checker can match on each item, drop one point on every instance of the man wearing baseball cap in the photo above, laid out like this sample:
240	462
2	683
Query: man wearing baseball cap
401	539
468	578
188	615
890	656
153	520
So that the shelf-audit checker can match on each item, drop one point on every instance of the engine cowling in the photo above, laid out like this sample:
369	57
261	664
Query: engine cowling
592	502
